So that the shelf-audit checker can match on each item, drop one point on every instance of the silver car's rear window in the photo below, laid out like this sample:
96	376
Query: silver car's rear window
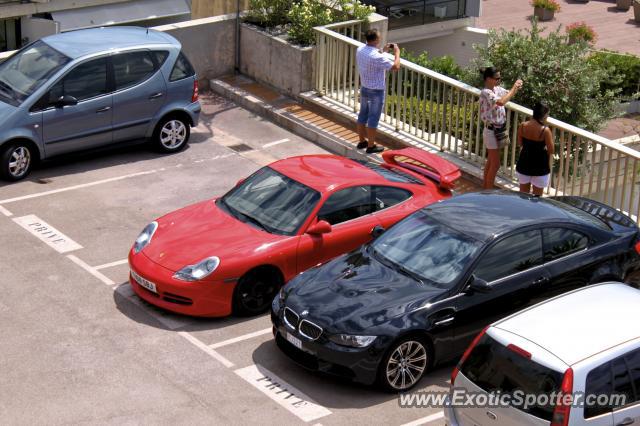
495	368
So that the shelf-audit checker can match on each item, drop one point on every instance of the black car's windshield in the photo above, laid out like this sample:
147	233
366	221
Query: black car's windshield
428	249
271	201
24	73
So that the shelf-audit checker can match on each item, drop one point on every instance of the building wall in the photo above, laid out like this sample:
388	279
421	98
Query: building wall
16	9
457	43
206	8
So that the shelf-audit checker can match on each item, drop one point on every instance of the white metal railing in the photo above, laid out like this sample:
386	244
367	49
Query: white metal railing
445	112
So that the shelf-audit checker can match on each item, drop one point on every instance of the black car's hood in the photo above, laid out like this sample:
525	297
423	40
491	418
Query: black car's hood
356	292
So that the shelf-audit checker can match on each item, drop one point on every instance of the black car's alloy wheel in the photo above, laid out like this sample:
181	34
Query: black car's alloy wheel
254	292
16	161
404	365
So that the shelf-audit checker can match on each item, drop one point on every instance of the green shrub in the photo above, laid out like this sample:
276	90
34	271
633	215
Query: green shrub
306	14
554	71
269	13
623	73
546	4
444	64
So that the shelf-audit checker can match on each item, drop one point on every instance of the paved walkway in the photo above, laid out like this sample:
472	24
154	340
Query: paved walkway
616	30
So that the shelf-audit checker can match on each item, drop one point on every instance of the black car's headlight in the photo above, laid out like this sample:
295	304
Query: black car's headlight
145	236
352	341
199	270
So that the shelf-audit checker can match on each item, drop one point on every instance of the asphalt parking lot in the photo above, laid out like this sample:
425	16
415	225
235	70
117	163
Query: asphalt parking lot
77	346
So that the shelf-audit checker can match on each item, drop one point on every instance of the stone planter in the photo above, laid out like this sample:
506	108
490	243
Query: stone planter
623	4
636	10
272	60
543	14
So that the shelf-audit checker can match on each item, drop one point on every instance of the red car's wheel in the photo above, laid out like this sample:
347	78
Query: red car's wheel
255	291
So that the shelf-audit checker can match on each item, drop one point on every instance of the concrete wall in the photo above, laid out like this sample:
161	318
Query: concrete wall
207	8
458	44
209	44
275	62
285	67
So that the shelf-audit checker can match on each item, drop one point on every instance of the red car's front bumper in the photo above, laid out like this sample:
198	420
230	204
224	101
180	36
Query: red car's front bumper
199	298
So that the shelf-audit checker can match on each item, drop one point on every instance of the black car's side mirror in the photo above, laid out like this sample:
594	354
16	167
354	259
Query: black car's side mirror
479	285
66	100
377	231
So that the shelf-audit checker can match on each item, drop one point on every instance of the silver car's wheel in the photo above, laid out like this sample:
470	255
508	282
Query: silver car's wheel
16	162
406	365
172	134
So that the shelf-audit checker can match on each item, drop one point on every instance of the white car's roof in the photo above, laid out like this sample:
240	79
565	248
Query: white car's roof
582	323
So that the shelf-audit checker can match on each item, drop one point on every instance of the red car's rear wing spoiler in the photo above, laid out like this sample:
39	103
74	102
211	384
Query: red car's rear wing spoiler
424	163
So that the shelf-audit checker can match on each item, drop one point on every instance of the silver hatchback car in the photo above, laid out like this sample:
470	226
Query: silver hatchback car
571	360
90	88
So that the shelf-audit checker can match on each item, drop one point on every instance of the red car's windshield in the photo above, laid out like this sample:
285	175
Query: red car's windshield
271	201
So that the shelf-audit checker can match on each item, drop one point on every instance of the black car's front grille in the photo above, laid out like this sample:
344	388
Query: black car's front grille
291	318
310	330
305	327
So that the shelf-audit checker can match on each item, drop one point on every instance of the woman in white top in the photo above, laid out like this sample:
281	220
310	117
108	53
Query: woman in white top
492	112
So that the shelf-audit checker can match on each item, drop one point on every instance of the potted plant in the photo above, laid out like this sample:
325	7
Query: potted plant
581	32
545	9
636	10
623	4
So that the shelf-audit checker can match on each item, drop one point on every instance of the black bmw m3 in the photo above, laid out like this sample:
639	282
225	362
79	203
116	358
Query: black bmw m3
418	294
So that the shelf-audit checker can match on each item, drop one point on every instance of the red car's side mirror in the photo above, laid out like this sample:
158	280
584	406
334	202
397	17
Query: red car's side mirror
240	182
322	227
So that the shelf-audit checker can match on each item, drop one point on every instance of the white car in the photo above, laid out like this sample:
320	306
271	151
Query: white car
584	344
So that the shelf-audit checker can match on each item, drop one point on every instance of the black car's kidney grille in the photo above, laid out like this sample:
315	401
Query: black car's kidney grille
305	327
291	318
310	330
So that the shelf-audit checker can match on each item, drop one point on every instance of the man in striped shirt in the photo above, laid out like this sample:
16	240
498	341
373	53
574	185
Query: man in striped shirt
372	66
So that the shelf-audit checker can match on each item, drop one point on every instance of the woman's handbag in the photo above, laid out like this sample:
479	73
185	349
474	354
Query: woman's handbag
502	136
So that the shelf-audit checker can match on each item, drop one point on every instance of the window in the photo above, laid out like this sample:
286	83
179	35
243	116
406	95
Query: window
181	69
26	71
511	255
559	242
348	204
495	368
387	196
271	201
425	247
633	363
598	383
132	68
160	56
394	175
85	81
624	371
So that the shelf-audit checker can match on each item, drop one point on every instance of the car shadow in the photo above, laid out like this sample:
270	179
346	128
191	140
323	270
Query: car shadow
125	152
332	391
142	312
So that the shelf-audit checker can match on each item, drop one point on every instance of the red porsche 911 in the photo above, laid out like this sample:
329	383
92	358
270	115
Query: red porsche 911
232	254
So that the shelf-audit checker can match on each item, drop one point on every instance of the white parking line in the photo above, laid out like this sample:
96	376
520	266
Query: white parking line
5	212
274	143
196	342
71	188
425	420
285	394
112	264
240	338
90	270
